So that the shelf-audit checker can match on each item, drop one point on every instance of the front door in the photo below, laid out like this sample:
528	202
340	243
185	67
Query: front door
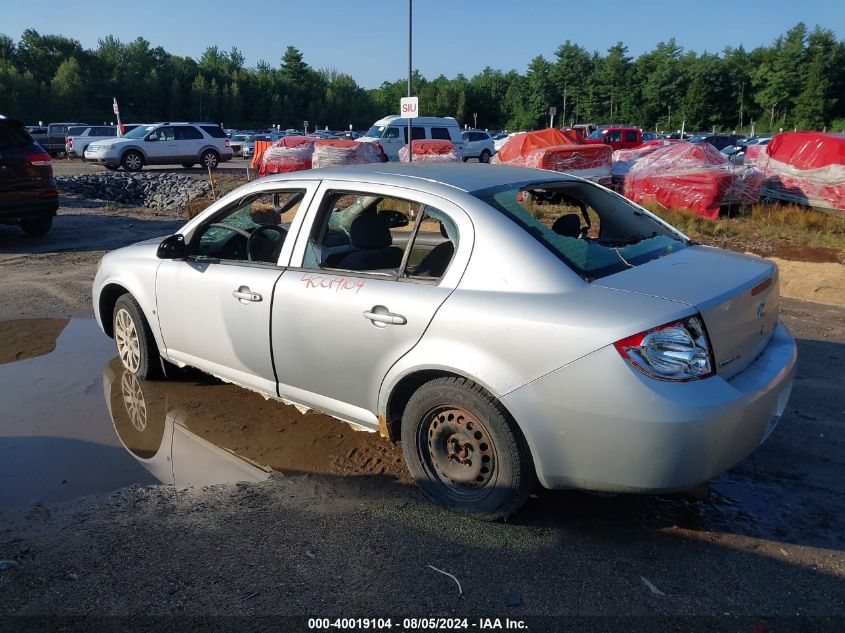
160	145
214	307
354	306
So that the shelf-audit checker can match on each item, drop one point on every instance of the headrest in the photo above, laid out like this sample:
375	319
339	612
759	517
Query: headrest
369	231
568	225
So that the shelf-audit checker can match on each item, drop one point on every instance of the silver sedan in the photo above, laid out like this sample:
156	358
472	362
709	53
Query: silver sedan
511	326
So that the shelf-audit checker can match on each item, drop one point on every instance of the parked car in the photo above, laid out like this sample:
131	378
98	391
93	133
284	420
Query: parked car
28	196
616	137
719	141
477	144
80	137
248	148
54	142
237	142
391	133
163	144
502	349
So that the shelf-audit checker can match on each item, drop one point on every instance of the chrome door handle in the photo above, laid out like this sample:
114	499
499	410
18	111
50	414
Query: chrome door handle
380	316
245	294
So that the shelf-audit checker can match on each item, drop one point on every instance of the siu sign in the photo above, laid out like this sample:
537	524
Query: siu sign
409	107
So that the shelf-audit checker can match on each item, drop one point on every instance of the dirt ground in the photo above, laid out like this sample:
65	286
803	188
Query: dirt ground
341	531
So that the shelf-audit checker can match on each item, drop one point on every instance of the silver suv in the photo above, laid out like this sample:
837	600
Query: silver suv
183	144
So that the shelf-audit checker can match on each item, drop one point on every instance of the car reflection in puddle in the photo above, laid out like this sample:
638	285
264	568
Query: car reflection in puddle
195	431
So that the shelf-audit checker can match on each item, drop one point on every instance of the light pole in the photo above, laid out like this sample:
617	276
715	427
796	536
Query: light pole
410	72
475	120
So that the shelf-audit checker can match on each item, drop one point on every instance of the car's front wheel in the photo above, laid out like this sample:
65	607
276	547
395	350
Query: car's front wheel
485	156
134	339
465	451
209	159
132	161
37	226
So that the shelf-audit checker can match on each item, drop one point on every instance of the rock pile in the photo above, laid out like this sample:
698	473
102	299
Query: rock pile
161	192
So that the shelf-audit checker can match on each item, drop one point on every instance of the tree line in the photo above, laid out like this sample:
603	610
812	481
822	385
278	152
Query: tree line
796	82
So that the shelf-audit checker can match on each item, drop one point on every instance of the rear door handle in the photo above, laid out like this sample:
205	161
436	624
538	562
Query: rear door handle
381	317
245	294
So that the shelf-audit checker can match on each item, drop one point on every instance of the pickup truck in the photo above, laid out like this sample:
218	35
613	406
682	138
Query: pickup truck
54	142
81	136
617	137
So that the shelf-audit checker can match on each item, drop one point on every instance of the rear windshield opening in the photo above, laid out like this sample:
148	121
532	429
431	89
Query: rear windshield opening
592	230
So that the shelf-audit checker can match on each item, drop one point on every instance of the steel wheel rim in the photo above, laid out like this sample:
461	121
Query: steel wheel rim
133	161
133	401
457	449
126	338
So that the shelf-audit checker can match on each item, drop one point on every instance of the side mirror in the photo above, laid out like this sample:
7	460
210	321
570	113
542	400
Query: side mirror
173	247
395	219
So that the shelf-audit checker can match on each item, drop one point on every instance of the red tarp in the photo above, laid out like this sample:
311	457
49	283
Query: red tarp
684	176
557	150
431	151
806	168
339	152
289	153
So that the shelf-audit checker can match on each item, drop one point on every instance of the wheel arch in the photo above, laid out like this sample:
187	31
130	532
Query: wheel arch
109	295
131	148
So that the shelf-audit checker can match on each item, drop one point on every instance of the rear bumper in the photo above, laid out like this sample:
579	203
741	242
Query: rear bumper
41	203
599	424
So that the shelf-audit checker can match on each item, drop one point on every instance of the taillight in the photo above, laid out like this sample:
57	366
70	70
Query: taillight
678	351
69	141
39	159
226	143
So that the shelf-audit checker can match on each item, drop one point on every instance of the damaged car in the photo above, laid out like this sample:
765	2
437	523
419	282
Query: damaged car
512	326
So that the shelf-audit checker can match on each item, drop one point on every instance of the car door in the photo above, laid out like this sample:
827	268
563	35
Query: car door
214	306
160	145
189	142
336	332
391	142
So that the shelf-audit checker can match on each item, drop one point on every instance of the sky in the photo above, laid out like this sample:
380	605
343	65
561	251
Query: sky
368	39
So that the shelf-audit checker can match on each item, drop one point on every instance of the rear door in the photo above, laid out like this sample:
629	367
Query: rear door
335	331
189	142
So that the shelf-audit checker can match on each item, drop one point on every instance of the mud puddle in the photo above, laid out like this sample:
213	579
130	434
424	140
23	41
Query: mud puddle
75	423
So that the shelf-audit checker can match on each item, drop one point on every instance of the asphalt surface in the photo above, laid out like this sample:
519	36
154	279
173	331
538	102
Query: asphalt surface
762	550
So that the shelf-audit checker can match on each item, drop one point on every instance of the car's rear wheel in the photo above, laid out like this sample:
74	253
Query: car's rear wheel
135	343
209	159
37	226
132	161
485	156
465	451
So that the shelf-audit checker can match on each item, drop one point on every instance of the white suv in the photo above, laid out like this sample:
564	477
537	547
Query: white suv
478	144
163	144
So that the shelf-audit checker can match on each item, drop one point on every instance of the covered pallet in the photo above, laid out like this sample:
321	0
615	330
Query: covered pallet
290	153
805	168
683	176
431	151
337	152
557	150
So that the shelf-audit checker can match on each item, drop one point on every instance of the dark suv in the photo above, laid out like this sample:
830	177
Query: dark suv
28	195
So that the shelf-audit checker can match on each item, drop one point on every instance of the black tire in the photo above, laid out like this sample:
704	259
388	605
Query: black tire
188	165
134	339
37	226
465	159
132	161
110	167
209	158
485	156
465	451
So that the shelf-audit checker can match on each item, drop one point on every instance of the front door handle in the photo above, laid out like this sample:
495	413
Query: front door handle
243	294
382	317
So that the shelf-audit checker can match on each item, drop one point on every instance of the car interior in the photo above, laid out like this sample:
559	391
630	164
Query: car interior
368	233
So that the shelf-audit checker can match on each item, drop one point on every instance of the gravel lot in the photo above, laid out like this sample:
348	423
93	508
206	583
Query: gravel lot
763	549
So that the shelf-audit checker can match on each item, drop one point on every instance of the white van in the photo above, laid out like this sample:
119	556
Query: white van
392	132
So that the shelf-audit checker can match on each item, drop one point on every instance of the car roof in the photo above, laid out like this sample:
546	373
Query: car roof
467	177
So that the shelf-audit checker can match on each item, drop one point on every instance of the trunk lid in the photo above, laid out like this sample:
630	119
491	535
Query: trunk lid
737	296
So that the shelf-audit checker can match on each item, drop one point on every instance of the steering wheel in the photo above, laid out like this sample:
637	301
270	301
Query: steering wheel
276	243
